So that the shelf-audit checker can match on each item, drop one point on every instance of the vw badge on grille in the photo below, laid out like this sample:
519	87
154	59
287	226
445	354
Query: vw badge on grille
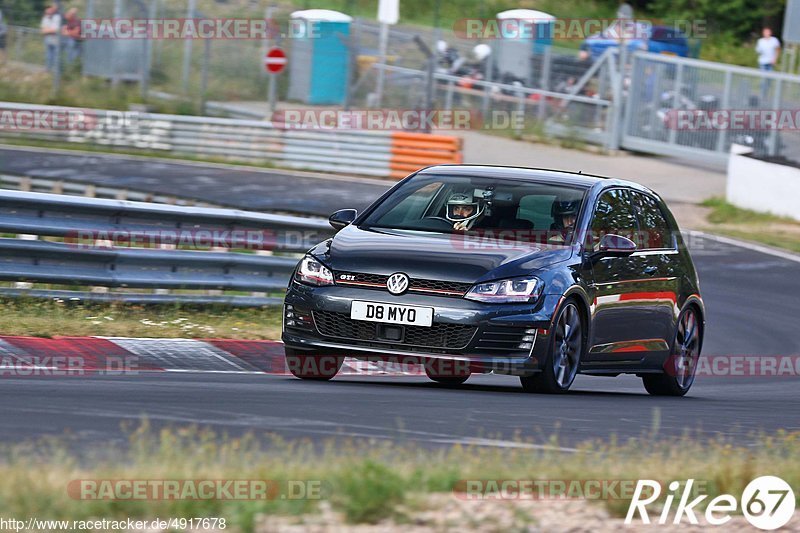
397	283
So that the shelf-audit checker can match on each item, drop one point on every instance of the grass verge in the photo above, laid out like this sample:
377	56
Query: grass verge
46	318
727	219
361	481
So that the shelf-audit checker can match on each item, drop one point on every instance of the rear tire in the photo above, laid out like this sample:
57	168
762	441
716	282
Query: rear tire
312	365
681	365
563	354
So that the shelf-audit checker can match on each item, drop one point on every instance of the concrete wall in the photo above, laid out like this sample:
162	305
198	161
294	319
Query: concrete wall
762	186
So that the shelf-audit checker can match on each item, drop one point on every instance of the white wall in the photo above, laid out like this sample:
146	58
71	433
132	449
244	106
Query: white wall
762	186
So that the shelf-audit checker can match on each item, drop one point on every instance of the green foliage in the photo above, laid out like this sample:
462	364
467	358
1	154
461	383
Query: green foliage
46	318
724	212
23	12
369	481
738	19
369	491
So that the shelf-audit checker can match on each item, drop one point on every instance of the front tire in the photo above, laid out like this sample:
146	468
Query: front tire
681	365
312	365
563	355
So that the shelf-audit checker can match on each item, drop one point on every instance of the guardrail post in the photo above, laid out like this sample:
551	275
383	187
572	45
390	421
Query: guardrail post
25	237
725	104
614	113
673	132
544	82
772	146
448	99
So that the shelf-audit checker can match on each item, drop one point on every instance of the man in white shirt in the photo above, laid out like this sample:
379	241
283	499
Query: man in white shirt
768	49
51	30
624	10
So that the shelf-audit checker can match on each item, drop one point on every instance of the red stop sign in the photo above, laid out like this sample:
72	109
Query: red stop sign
275	60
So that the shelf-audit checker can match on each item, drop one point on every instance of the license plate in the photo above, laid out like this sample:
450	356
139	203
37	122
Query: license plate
392	314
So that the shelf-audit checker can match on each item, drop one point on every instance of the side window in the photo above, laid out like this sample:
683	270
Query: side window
538	209
654	231
613	214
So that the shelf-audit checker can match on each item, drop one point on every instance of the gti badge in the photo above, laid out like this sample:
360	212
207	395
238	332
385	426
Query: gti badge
397	283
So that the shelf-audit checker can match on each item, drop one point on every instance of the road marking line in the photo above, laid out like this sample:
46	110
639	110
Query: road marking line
789	256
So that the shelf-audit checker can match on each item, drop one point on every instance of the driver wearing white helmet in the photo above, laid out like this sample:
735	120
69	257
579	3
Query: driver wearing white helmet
464	211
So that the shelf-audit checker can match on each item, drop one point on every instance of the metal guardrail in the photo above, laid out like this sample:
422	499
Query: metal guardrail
61	186
135	245
364	152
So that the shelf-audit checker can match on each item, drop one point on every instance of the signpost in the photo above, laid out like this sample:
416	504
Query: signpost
274	63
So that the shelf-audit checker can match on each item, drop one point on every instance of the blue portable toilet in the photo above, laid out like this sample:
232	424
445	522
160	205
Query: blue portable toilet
523	33
319	64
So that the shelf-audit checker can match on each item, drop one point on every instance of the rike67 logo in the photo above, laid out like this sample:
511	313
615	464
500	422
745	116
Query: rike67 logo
767	502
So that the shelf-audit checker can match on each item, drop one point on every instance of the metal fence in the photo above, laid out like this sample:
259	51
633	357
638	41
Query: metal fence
576	102
612	101
203	255
662	88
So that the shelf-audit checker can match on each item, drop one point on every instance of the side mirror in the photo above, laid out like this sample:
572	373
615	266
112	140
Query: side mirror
342	218
612	245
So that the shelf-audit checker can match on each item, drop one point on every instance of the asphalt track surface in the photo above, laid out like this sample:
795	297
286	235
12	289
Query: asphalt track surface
752	307
224	185
751	298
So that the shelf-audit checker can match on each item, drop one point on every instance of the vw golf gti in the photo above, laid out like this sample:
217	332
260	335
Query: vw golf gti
467	269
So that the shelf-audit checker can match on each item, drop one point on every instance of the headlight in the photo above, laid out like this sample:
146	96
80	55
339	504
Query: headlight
512	290
312	272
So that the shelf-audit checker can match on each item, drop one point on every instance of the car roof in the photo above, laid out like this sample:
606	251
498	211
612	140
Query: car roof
542	175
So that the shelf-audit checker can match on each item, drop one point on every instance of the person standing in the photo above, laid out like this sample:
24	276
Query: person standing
51	29
72	33
768	49
624	10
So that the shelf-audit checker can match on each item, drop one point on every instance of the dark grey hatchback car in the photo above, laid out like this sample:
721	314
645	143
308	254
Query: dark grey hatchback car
473	269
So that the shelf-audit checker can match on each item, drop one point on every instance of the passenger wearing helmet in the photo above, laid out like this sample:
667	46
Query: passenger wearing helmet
463	210
565	216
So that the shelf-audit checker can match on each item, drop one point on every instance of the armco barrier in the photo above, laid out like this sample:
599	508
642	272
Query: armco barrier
366	152
154	253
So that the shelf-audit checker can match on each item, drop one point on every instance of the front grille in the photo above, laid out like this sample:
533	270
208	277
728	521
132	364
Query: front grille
341	326
424	286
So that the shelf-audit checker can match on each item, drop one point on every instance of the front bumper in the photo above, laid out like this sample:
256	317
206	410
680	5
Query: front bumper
486	336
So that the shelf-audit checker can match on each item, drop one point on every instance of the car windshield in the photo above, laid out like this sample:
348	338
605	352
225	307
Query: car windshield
510	209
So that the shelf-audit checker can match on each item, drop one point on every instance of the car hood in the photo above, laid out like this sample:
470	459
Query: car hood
437	256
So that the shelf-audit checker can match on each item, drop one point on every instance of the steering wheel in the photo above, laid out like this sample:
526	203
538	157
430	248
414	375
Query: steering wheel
440	221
